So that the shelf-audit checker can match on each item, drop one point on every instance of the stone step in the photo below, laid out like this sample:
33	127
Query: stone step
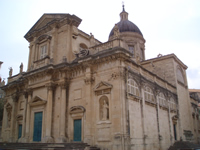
183	145
46	146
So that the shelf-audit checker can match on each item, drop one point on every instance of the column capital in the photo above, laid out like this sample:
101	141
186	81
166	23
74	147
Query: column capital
15	97
50	86
27	92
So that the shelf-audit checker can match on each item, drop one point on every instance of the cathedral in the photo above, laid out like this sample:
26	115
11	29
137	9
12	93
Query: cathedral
78	89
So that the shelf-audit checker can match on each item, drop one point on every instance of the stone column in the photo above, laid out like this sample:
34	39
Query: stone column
88	128
4	123
22	139
15	98
27	121
63	104
48	138
170	122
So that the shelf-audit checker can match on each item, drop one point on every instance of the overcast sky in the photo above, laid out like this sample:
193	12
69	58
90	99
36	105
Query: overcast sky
168	26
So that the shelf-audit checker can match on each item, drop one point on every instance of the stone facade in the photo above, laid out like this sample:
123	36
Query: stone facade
105	94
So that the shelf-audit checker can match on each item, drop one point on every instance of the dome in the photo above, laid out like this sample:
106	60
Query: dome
125	25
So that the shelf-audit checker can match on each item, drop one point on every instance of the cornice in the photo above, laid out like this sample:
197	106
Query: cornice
173	56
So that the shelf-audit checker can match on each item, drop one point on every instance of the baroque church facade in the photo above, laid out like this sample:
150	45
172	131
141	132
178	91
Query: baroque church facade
104	94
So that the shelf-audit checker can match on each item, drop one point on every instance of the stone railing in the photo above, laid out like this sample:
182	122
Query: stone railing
14	78
109	45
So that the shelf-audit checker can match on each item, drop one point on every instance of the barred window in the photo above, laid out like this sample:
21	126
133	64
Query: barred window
148	94
172	104
162	100
133	87
43	51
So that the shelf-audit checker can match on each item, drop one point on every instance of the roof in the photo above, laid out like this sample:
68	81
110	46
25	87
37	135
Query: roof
126	26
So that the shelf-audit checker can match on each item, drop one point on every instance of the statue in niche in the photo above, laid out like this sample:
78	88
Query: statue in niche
104	109
9	110
10	72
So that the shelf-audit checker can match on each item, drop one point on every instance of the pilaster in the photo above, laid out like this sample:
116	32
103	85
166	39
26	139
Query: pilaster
48	138
27	121
143	116
89	129
64	87
15	98
23	139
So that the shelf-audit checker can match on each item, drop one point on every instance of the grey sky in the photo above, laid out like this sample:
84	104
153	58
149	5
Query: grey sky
171	26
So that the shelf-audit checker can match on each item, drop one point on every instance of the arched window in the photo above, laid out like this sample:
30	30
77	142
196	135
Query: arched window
162	99
133	87
148	94
180	76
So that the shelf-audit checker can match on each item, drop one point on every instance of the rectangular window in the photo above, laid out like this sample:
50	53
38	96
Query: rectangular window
43	51
131	49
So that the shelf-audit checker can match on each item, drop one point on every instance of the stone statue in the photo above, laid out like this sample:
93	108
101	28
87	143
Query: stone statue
104	111
116	31
10	72
9	110
21	67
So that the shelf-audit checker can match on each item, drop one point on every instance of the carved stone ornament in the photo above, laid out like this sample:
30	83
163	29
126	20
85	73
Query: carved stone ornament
9	111
114	76
82	53
89	80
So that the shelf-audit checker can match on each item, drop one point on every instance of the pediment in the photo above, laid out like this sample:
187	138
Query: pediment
37	101
48	21
102	86
45	19
77	109
19	117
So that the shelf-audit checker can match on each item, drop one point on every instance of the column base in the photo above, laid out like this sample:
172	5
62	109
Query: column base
23	140
48	139
11	139
62	139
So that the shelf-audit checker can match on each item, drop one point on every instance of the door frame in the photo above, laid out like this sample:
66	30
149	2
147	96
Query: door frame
76	112
33	111
34	125
74	130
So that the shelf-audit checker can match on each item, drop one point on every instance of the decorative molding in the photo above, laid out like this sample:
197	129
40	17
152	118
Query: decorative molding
103	88
36	101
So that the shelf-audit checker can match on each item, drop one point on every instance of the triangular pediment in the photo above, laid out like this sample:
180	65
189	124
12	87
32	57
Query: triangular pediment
45	19
102	86
37	101
48	22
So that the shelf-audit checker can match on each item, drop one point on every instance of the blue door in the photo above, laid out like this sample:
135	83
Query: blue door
77	130
19	131
37	131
